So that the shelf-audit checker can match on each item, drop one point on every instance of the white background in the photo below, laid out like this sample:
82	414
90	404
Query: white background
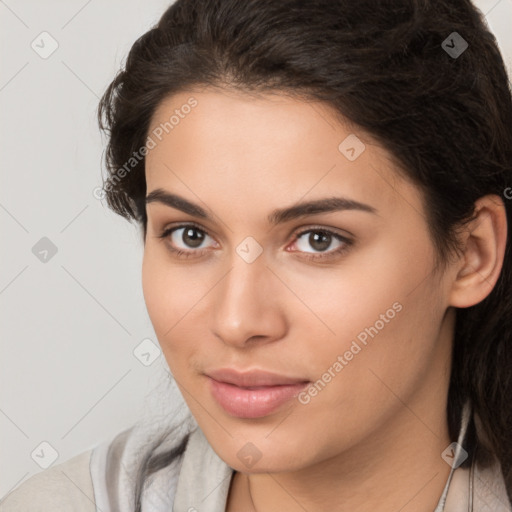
68	375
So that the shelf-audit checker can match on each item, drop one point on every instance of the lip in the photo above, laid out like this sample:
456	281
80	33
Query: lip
252	394
251	377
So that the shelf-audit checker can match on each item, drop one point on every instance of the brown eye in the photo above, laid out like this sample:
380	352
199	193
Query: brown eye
321	240
185	240
191	238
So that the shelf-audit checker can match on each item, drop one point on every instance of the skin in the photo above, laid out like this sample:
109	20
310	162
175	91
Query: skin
372	438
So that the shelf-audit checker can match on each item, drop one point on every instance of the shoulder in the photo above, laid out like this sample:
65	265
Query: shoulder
65	486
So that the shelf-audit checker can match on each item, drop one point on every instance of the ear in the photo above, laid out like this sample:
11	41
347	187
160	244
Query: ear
484	240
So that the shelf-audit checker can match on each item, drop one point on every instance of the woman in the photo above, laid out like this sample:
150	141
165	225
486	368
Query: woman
323	190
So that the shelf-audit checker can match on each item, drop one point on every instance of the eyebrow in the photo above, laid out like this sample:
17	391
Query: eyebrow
278	216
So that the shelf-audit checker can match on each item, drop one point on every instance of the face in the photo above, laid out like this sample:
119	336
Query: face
338	300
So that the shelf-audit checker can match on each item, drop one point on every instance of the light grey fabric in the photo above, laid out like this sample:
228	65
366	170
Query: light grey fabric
464	424
102	480
487	491
64	487
204	478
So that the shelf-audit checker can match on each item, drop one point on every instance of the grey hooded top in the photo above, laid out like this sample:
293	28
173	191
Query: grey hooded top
102	479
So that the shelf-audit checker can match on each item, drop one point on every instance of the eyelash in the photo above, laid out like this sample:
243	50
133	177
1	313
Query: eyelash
325	256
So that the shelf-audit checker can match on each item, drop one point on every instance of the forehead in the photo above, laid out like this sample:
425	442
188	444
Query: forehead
267	150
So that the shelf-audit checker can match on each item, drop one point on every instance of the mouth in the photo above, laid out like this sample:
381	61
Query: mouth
253	394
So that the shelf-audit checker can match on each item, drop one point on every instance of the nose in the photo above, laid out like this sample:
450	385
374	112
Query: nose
248	305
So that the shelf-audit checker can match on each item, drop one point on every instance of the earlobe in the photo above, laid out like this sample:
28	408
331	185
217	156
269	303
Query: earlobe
480	264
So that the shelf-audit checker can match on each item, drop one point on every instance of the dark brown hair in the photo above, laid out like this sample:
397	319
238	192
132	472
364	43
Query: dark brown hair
384	65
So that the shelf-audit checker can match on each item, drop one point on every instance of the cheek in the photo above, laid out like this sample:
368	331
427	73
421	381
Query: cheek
157	289
177	304
364	377
386	316
168	294
387	356
366	299
168	288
